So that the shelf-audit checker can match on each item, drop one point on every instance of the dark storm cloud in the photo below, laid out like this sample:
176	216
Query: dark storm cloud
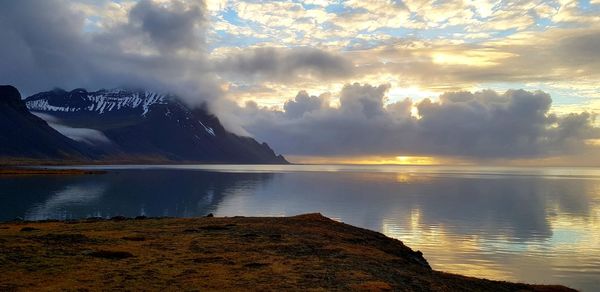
33	57
44	45
485	124
285	64
169	28
301	104
581	50
366	100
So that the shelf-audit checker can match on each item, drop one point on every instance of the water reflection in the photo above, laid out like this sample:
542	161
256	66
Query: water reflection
528	228
531	225
515	208
127	193
78	195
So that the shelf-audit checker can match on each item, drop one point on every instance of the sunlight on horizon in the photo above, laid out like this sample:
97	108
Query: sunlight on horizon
369	160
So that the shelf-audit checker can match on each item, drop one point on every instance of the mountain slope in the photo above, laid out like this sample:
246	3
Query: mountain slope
144	125
26	136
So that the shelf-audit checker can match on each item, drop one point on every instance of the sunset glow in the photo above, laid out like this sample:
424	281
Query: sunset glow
391	160
344	81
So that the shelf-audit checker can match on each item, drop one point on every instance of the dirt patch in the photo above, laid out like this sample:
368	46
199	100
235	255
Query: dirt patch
67	238
213	227
255	265
134	238
213	260
29	229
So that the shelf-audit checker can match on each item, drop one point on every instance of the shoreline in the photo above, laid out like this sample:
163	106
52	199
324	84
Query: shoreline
220	253
25	162
34	171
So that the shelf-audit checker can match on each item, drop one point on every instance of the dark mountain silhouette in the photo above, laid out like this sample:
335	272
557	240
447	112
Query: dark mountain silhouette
24	135
142	125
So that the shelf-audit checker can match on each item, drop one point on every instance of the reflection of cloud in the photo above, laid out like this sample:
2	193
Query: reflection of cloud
463	255
143	192
565	253
519	208
71	195
532	228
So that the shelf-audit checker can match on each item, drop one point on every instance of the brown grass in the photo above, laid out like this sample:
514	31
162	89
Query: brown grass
302	253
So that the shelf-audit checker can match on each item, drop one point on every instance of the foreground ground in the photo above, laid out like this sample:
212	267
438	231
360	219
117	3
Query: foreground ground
307	252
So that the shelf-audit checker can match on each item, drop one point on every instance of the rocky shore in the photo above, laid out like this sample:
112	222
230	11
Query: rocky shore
306	252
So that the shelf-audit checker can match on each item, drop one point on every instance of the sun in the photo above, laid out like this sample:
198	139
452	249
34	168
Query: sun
414	160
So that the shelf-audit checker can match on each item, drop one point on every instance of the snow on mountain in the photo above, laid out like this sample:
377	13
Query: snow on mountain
99	101
106	101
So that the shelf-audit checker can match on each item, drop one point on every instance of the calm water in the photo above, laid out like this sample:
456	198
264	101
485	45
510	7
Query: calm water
518	224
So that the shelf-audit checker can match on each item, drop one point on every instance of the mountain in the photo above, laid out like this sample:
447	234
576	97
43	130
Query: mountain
141	125
26	136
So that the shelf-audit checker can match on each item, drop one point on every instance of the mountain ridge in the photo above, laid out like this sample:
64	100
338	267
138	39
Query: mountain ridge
25	135
140	125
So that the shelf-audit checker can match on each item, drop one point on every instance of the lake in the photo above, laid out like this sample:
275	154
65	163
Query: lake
536	225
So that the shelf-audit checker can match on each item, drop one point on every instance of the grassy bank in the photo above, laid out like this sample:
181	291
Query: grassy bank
307	252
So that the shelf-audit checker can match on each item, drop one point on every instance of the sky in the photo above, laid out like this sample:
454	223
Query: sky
415	82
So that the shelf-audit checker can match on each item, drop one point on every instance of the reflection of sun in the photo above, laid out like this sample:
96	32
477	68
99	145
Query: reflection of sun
403	177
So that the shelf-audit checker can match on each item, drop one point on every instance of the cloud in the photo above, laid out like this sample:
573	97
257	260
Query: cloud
483	124
284	64
183	47
84	135
559	60
301	104
248	51
554	55
363	99
158	46
174	27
